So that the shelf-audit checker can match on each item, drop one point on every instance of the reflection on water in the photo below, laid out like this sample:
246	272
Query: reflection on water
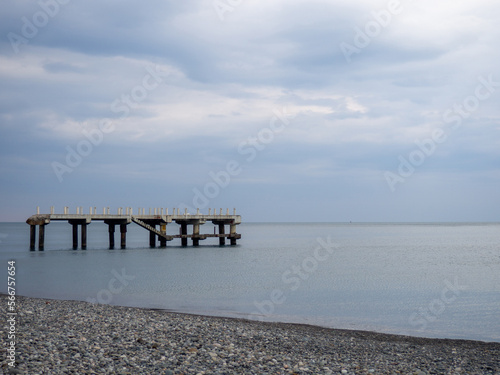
428	280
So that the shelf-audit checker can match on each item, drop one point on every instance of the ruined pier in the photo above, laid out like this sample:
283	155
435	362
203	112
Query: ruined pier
154	220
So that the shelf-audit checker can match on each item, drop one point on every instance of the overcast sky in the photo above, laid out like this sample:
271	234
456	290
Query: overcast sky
326	110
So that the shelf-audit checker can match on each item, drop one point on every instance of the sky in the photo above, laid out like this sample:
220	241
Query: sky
289	111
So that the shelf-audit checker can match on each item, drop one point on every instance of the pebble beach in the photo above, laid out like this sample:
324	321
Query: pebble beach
72	337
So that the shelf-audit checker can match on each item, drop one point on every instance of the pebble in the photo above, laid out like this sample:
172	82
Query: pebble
71	337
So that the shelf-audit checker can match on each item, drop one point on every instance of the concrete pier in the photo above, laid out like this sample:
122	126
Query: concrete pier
156	222
41	221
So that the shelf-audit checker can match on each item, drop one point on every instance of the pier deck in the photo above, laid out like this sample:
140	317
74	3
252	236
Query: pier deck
155	221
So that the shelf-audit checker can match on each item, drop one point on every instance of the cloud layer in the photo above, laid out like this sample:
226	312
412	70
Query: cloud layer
174	91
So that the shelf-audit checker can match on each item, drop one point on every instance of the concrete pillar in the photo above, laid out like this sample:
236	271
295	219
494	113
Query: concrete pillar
123	232
233	234
196	232
32	237
152	237
84	236
184	240
75	235
41	237
38	210
52	210
222	239
163	240
111	230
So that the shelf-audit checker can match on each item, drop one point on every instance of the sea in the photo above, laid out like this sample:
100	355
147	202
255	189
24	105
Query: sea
438	280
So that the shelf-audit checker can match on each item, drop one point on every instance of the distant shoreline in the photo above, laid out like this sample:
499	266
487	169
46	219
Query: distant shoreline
80	336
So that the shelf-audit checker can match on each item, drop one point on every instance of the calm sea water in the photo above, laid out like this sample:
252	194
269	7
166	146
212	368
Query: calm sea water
432	280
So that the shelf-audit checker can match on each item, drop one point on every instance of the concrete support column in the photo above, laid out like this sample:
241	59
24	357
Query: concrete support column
75	236
84	236
233	234
123	232
222	239
163	240
32	237
196	233
41	237
184	240
152	237
111	230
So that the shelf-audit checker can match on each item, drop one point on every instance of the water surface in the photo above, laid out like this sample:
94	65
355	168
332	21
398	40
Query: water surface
432	280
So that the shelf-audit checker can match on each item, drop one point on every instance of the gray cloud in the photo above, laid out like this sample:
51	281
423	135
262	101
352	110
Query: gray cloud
220	84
